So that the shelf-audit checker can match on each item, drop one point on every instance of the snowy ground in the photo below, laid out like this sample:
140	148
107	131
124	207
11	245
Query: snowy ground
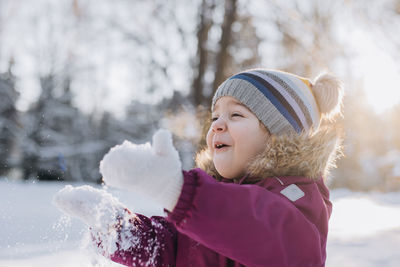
364	228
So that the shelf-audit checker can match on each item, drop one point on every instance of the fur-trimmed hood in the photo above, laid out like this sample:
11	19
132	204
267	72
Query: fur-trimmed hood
309	155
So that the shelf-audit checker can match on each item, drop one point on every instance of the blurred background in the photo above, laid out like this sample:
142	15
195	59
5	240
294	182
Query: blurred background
80	76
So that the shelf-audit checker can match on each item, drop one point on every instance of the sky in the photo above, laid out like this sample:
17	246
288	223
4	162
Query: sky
378	70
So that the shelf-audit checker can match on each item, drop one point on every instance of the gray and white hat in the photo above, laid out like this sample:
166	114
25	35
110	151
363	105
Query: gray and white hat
285	103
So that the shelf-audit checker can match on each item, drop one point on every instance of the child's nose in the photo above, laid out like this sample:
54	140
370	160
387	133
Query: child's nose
219	125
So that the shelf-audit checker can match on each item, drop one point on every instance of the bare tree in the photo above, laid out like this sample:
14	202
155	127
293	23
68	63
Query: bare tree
201	62
307	44
222	58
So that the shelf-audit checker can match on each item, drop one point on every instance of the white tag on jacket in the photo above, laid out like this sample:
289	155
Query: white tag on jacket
292	192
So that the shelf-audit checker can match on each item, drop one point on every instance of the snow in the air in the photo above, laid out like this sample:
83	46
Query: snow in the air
34	232
97	208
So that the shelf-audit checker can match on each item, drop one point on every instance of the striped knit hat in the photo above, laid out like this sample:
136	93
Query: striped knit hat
284	102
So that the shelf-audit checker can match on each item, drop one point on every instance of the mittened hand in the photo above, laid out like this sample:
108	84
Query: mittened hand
154	170
95	207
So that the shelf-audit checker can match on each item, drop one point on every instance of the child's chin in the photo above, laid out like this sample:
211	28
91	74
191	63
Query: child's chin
224	170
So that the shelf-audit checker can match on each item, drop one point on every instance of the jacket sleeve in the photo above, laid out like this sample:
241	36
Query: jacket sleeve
246	223
136	240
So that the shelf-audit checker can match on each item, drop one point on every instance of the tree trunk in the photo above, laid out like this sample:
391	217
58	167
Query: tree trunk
204	26
226	39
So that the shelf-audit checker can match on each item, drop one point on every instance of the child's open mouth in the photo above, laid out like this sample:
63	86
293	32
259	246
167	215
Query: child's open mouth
220	146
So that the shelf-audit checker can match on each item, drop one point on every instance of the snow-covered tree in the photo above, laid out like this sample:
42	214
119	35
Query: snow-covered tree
9	127
56	131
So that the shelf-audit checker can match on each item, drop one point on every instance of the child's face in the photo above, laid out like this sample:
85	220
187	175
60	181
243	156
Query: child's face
240	132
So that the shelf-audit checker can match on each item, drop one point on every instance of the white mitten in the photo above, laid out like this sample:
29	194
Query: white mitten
152	170
97	208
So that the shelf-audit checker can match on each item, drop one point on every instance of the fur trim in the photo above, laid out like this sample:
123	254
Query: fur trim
305	154
204	161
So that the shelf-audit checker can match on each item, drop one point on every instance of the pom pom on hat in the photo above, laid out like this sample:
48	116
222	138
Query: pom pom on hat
328	93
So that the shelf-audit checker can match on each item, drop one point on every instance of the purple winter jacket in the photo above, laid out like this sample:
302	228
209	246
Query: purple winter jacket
225	224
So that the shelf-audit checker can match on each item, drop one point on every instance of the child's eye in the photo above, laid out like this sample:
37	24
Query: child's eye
214	119
236	115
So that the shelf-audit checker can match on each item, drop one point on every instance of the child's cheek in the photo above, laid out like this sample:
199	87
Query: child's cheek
209	140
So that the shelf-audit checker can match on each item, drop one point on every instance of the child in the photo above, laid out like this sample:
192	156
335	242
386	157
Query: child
258	198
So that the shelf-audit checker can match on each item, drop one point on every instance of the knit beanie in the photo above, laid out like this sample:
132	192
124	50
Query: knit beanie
285	103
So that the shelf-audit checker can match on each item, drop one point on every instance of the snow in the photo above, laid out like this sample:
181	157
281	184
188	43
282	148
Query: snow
96	207
364	228
35	233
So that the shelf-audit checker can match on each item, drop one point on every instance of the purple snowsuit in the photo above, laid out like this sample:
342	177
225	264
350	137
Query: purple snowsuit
229	224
